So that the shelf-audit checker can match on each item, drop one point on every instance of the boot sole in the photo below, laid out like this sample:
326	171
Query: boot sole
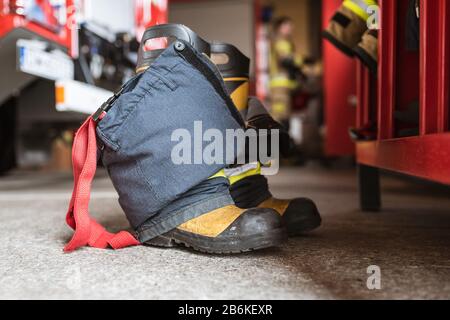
219	245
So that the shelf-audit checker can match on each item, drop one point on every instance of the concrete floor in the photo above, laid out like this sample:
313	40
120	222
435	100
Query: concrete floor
409	241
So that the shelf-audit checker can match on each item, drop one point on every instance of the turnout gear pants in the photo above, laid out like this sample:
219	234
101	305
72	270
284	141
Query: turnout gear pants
132	134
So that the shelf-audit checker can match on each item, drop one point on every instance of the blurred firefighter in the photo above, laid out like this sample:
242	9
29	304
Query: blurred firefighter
285	69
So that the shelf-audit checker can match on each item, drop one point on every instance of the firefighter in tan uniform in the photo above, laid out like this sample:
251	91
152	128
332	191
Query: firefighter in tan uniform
284	70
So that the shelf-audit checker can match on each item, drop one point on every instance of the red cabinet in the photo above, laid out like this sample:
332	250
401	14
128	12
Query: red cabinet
339	91
402	76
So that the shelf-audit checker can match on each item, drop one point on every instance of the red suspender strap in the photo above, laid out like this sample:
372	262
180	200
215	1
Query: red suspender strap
89	232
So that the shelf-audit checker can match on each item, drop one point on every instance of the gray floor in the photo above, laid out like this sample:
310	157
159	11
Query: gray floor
409	241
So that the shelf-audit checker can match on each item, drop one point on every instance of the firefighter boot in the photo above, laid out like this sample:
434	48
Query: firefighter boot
234	67
219	226
230	230
227	230
258	118
249	188
348	25
157	38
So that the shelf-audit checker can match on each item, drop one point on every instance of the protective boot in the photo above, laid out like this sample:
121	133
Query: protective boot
157	38
300	215
227	230
234	67
219	226
258	118
367	50
348	25
249	188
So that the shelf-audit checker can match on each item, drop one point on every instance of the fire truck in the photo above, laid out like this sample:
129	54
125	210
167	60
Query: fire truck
59	60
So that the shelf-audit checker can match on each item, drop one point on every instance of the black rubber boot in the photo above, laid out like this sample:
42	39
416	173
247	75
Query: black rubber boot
299	215
227	230
258	118
234	67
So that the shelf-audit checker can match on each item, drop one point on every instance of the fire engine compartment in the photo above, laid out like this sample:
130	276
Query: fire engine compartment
34	35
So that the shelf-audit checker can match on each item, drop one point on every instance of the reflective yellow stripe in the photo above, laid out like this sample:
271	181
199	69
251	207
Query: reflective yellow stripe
283	83
283	47
360	7
279	108
253	172
220	174
298	59
236	79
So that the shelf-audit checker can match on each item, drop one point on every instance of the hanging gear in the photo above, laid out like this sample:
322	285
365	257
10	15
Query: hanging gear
367	50
348	31
348	25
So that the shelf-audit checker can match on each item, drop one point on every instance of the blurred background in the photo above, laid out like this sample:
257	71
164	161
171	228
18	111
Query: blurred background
60	59
350	124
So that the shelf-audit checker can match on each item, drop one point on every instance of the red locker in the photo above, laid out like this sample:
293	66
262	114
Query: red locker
339	88
402	74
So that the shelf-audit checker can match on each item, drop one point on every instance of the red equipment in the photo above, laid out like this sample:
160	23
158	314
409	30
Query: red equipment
87	230
149	13
53	23
50	22
339	86
400	75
